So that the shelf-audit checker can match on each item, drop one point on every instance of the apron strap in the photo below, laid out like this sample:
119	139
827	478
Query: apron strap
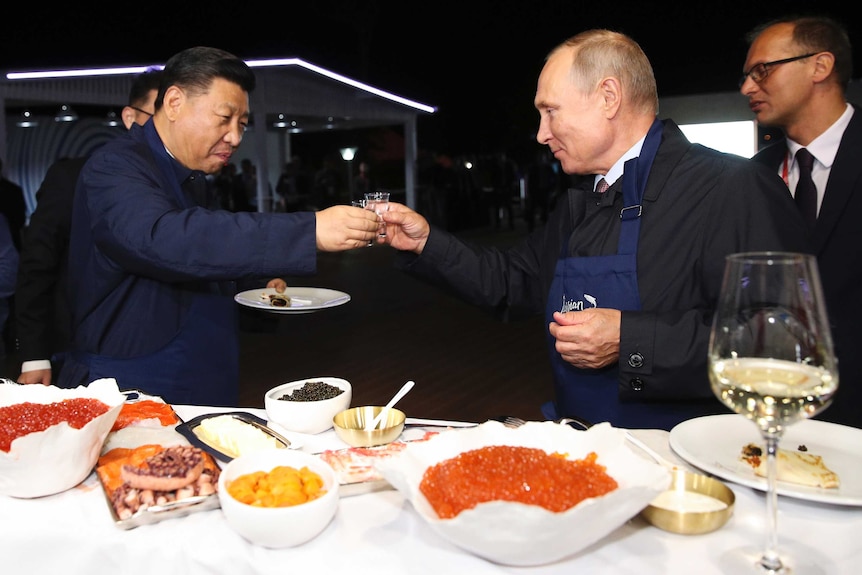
637	169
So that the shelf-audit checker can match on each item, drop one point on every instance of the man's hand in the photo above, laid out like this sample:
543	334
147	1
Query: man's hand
341	228
406	230
279	284
587	339
42	376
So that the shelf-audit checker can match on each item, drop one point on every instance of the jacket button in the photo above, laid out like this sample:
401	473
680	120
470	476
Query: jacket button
636	360
636	384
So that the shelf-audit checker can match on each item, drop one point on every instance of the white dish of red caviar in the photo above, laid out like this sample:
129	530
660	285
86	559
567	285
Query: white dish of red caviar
509	532
50	438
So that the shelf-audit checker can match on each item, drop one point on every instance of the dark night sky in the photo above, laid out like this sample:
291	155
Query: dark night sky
476	60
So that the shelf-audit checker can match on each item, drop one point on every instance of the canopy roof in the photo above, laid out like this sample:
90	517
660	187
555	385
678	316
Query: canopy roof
302	96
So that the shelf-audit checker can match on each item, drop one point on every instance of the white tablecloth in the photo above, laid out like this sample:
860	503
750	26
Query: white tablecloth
380	533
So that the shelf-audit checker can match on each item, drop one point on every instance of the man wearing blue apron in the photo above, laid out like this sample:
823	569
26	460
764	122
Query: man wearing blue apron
152	267
628	278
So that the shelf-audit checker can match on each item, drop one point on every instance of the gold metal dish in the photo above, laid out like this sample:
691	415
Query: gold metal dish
693	504
350	426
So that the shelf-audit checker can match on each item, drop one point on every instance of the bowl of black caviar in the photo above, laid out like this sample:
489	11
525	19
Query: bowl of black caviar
308	405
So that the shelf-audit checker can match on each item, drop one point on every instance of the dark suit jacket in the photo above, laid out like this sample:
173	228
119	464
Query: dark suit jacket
837	241
14	207
42	305
699	205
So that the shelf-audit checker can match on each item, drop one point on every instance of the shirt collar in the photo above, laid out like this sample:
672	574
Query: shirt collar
617	169
824	147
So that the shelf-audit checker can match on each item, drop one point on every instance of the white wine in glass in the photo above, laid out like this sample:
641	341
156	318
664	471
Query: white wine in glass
771	356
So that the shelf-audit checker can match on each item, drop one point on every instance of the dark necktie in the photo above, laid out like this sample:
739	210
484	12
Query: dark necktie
806	192
602	186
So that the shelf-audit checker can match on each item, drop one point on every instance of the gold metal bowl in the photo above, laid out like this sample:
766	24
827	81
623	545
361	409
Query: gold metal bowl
693	504
350	426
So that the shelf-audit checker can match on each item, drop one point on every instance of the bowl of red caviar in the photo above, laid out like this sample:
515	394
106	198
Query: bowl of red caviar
525	496
50	438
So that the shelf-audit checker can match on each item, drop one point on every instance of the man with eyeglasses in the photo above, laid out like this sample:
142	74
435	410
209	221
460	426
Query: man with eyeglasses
795	78
42	310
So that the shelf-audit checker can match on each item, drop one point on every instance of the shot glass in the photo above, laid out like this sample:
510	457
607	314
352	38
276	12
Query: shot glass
378	202
361	204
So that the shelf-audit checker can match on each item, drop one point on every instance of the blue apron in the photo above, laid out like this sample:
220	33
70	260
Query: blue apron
607	282
200	365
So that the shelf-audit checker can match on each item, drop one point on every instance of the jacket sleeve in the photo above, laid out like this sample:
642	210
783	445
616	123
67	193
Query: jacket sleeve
139	227
510	282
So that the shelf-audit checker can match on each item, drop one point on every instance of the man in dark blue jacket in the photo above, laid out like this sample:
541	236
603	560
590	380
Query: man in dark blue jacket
152	272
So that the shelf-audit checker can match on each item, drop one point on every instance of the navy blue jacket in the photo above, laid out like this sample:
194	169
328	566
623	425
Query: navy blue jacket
138	253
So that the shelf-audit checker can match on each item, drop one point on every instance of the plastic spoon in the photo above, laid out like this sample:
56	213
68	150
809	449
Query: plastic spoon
383	412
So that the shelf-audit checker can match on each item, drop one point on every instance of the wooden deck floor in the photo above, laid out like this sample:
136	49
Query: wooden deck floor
466	364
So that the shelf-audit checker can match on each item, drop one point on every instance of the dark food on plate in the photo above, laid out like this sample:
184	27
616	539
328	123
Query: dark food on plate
793	466
22	419
313	391
279	300
512	473
145	462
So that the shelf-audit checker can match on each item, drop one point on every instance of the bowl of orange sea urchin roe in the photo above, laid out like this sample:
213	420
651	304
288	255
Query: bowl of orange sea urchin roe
278	498
50	438
511	473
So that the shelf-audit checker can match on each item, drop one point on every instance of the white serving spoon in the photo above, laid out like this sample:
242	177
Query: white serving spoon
383	412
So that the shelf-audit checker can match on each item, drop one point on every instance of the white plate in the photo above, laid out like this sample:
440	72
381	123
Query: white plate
714	444
302	299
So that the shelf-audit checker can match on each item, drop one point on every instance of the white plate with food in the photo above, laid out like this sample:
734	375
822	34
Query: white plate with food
811	453
293	300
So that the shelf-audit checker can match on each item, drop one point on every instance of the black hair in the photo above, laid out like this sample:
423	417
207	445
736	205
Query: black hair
194	69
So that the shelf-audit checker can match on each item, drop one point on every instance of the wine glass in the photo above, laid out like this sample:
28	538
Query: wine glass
771	357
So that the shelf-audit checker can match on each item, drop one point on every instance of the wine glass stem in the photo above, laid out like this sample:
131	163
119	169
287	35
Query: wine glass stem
770	560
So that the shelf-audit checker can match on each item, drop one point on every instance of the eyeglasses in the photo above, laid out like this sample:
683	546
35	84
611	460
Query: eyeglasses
759	72
135	108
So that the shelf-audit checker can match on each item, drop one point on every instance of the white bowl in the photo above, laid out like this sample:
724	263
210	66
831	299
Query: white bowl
278	527
59	457
512	533
306	416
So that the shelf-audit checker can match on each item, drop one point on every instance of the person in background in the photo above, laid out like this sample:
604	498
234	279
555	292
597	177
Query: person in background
541	183
152	295
13	206
8	268
42	307
248	180
628	277
292	187
364	182
795	78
